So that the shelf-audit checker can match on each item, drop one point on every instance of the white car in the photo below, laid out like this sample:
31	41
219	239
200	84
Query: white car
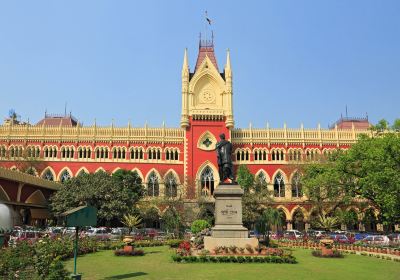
292	233
376	240
99	233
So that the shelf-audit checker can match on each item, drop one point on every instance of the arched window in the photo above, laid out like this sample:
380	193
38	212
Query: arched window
279	186
261	181
153	188
296	185
207	181
65	176
48	175
3	151
171	187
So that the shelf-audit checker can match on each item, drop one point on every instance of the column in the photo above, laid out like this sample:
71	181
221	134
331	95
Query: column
289	225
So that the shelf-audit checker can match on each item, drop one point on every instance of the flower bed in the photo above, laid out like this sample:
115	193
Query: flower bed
234	259
41	258
341	247
122	252
335	254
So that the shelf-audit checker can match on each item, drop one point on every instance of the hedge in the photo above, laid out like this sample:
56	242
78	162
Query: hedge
234	259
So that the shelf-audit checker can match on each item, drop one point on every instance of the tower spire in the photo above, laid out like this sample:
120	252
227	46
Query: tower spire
228	60
185	65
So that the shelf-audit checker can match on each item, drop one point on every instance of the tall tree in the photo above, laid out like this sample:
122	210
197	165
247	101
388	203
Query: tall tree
112	196
372	166
270	217
370	169
256	196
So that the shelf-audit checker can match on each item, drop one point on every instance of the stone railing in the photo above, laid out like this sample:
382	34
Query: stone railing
93	133
297	136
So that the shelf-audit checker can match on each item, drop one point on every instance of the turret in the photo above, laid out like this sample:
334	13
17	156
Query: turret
185	91
228	81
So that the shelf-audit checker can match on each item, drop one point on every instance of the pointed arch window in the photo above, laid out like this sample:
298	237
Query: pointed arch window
261	182
3	151
48	175
65	176
296	185
153	188
279	186
171	187
207	181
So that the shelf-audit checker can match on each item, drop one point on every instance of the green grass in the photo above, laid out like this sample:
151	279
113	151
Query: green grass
157	264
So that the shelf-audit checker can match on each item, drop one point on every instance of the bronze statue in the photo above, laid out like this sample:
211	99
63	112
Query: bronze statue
224	158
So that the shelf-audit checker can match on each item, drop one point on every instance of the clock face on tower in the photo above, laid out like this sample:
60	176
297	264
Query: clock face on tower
207	96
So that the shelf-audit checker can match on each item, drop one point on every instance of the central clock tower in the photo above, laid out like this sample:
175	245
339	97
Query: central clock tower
206	93
206	113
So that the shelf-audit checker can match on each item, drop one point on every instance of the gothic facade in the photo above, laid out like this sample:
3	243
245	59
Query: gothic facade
181	162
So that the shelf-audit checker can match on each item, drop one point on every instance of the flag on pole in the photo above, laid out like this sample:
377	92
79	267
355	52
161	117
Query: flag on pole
208	19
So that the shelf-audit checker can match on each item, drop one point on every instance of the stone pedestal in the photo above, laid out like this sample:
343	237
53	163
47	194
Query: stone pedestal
228	229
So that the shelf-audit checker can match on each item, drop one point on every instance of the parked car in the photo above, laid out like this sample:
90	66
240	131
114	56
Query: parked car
292	234
376	240
341	238
315	233
117	233
99	233
30	236
394	238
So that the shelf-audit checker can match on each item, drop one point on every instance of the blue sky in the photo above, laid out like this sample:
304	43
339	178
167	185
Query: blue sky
293	61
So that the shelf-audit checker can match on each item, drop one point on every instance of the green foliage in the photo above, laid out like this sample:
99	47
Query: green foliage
255	195
396	125
57	270
370	169
381	125
173	219
18	262
244	177
41	260
270	217
199	225
131	221
111	195
235	259
327	223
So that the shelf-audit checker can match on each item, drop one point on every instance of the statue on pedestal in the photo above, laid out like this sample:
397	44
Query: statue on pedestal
224	159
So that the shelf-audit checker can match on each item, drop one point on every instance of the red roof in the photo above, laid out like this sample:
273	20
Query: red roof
347	123
206	48
58	120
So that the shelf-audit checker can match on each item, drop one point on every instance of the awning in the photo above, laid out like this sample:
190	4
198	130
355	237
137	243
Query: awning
40	214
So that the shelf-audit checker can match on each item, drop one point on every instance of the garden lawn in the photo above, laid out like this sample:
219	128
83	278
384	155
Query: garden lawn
157	264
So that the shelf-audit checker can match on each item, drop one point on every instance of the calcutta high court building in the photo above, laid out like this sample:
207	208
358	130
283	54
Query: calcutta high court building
181	161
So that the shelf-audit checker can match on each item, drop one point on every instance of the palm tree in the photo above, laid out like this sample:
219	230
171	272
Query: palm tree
270	217
131	221
327	223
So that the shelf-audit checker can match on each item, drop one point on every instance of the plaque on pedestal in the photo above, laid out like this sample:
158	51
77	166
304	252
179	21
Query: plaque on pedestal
228	229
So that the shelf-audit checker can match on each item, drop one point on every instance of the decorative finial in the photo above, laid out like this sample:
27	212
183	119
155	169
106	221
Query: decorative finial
228	60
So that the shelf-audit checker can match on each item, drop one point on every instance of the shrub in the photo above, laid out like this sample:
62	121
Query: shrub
335	254
234	259
57	270
174	243
199	225
121	252
184	249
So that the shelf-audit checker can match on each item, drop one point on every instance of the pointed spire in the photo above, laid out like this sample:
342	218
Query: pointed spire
185	65
228	60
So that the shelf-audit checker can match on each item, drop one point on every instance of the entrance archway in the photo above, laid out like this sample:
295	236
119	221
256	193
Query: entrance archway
298	220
